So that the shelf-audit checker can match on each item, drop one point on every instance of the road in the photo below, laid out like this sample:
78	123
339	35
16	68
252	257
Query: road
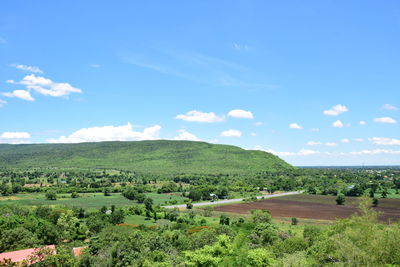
224	201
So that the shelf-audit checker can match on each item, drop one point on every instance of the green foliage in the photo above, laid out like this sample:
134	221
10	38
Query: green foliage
210	256
295	221
261	216
340	199
51	195
161	157
261	257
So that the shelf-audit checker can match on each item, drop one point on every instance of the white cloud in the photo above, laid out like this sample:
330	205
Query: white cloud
331	144
109	133
240	113
27	68
338	124
376	152
362	122
302	152
358	139
313	143
295	126
240	47
2	103
231	133
336	110
46	86
15	135
345	140
185	135
23	94
385	120
385	141
259	123
253	134
390	107
198	116
314	130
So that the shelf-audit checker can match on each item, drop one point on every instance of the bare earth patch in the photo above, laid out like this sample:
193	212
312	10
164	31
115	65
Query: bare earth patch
303	209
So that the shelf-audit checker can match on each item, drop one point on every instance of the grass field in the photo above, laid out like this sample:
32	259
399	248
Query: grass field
87	200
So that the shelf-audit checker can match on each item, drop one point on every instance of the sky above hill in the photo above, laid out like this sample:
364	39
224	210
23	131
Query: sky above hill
314	82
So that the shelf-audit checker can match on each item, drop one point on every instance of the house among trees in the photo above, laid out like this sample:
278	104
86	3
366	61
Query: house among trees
30	256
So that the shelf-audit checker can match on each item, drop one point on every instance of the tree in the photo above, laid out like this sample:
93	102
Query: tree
189	205
224	220
261	216
117	217
374	202
130	193
340	199
295	221
260	257
384	193
107	192
148	204
51	195
74	195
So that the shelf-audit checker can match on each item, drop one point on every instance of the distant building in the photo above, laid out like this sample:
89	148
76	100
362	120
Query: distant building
22	255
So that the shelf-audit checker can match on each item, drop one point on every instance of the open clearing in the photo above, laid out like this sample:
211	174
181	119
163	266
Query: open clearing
314	207
85	200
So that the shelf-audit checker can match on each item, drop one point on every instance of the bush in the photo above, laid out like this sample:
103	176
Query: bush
340	199
295	221
51	195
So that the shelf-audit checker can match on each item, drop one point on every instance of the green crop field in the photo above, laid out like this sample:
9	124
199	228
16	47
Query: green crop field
86	200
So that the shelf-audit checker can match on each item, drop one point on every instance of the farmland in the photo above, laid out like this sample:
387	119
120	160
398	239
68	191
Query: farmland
314	207
85	200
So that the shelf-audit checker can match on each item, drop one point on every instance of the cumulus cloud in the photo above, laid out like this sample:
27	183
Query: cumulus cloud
313	143
109	133
336	110
358	139
231	133
15	137
199	116
33	69
240	113
345	140
385	120
46	86
253	134
389	107
185	135
295	126
22	94
338	124
385	141
259	123
362	123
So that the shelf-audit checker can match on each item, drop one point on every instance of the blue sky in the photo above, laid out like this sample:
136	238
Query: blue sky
315	82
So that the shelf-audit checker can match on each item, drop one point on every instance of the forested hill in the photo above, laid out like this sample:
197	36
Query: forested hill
161	157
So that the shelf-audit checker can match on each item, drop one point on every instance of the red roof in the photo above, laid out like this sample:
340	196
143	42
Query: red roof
78	251
20	255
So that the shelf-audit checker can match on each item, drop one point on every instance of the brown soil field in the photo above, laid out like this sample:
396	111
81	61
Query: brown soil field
281	207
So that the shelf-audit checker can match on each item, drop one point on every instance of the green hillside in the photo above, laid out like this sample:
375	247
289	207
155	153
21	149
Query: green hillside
161	157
